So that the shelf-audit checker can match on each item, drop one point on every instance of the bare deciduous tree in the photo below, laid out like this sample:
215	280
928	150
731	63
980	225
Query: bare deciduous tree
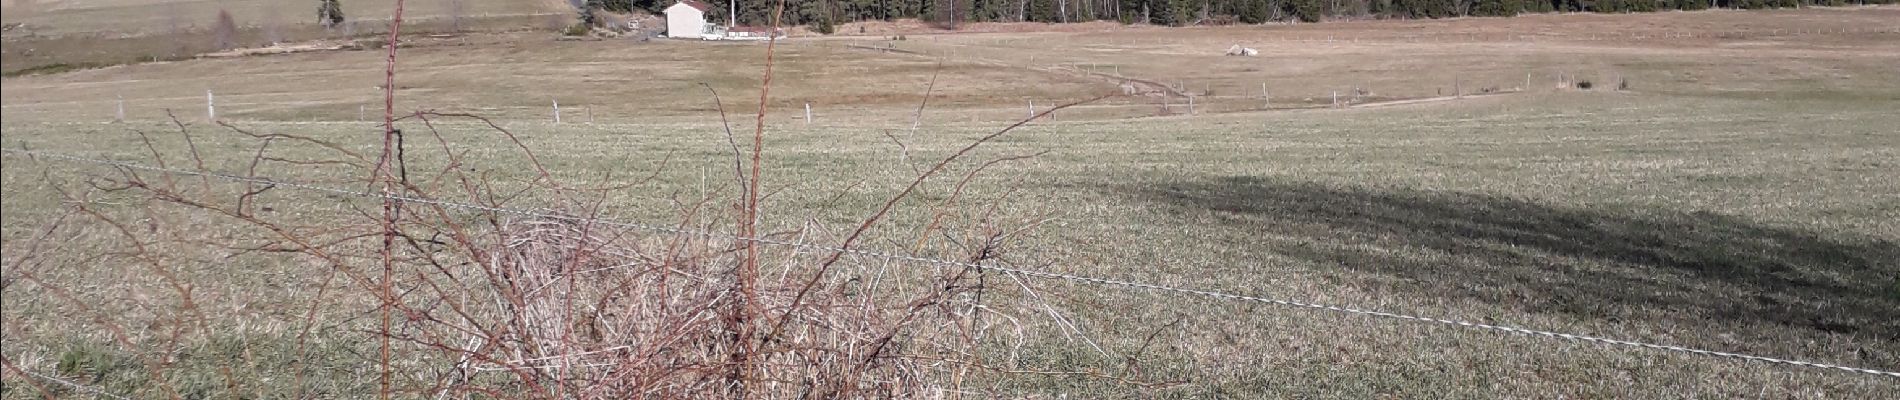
272	32
456	11
329	13
176	29
225	33
950	13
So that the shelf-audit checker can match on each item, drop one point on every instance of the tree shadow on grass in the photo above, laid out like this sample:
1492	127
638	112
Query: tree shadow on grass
1602	264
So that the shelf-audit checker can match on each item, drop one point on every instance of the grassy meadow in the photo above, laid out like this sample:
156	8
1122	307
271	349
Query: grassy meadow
1738	196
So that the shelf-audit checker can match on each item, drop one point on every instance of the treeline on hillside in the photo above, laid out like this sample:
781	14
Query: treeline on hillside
822	15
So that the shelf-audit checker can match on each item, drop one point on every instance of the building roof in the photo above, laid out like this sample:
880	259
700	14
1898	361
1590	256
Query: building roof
695	4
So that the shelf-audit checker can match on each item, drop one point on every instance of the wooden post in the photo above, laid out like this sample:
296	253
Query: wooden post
557	110
211	109
1527	81
359	112
808	114
120	116
1269	100
1032	109
1335	98
1458	87
590	114
1190	104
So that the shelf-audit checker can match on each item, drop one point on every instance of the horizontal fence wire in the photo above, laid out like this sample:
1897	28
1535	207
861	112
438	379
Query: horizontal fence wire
903	257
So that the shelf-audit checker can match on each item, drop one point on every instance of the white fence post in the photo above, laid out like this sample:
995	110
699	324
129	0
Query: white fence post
557	111
808	114
1190	104
590	114
1032	108
120	116
211	110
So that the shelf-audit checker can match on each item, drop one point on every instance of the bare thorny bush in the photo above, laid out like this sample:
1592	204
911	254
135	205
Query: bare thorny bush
562	302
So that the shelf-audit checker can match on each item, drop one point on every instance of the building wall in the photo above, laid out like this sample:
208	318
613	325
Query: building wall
683	21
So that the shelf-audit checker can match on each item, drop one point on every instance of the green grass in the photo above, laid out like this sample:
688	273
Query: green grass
49	69
1733	200
1597	215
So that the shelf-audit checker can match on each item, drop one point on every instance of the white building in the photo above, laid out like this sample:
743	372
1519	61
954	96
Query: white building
687	19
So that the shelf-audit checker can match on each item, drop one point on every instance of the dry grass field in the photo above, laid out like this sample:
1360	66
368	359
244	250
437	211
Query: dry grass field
1837	52
1737	196
59	35
155	17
